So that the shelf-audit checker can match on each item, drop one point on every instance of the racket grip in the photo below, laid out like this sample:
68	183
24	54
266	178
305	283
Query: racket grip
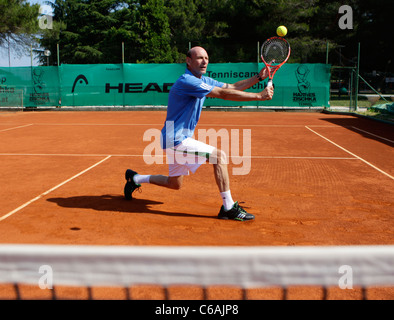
269	84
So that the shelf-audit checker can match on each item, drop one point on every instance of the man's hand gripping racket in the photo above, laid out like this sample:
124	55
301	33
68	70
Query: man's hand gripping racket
275	52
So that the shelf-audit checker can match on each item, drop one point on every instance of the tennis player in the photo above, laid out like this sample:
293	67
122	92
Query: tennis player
185	154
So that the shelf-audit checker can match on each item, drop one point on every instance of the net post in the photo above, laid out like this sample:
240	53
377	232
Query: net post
123	91
53	293
166	293
127	293
358	74
364	293
122	52
204	293
325	293
9	49
90	293
327	52
17	291
284	293
58	54
351	90
22	99
244	294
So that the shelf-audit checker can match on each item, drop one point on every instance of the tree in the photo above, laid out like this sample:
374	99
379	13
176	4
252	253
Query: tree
234	27
154	31
18	24
186	26
375	34
92	31
371	28
85	30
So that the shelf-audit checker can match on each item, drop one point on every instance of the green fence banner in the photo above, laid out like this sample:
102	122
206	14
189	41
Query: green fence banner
29	86
296	85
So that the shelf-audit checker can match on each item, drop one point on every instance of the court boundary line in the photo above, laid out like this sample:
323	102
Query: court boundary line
13	128
372	134
351	153
52	189
141	155
202	125
199	125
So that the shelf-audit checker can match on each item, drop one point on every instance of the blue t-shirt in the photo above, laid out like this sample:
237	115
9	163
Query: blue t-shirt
185	102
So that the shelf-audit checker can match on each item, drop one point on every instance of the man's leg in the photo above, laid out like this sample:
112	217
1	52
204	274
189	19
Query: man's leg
230	209
219	160
134	181
168	182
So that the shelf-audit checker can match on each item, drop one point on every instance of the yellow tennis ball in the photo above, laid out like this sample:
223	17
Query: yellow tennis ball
281	31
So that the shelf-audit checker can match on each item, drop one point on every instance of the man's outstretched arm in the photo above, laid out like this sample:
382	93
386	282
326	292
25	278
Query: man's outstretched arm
247	83
237	95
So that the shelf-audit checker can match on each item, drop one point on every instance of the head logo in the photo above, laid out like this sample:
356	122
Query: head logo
80	79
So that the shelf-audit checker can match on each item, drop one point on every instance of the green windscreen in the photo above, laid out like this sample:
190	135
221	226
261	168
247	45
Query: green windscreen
296	85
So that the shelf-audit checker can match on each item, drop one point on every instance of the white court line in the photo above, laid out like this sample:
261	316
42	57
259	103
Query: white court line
374	135
26	125
52	189
163	155
199	125
354	155
68	155
290	157
99	124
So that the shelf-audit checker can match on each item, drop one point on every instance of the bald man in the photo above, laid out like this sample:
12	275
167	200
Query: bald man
185	154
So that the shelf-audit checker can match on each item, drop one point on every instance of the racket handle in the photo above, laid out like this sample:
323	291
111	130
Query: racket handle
269	84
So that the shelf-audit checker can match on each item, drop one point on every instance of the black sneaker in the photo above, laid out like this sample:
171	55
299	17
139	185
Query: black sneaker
235	213
130	184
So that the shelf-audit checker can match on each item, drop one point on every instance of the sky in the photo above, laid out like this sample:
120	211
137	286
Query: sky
24	61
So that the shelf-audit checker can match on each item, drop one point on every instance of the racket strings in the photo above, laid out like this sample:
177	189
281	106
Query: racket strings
275	51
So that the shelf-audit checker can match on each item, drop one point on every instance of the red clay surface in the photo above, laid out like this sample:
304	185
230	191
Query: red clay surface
315	179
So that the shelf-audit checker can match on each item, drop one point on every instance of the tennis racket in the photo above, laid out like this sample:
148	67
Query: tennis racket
274	52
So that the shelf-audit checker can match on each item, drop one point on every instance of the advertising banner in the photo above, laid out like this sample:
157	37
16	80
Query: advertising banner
296	85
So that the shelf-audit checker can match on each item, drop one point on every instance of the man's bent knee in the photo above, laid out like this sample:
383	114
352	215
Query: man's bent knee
218	157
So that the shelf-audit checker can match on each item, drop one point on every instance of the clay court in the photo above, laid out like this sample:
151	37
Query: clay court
314	179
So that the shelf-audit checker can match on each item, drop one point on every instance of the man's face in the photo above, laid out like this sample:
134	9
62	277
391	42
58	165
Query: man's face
198	62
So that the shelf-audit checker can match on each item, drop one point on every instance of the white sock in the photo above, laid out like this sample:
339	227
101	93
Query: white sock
228	201
139	178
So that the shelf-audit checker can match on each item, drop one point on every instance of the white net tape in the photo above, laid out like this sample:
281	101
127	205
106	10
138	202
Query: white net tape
246	267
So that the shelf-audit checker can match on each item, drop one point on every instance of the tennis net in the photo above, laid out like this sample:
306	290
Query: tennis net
198	272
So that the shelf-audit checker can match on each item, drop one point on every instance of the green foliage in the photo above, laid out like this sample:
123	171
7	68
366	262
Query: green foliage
160	31
375	31
18	23
154	31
